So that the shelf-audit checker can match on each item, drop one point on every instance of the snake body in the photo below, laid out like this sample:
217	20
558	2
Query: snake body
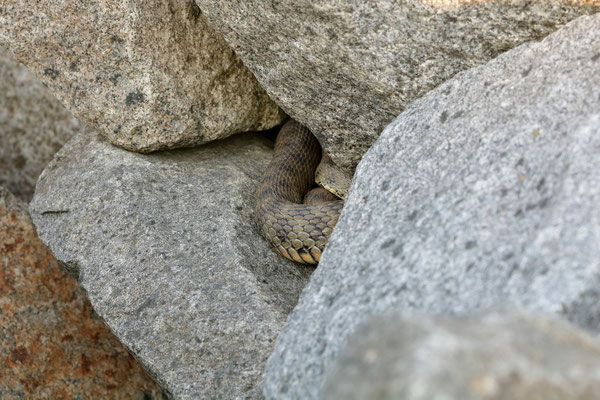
296	220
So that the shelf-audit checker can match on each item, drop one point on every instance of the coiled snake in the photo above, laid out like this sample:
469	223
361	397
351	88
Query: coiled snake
296	220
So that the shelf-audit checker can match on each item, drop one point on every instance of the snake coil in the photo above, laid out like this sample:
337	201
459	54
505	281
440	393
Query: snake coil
296	220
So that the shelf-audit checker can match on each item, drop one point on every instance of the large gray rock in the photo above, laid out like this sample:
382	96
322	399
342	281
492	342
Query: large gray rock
33	126
147	74
485	190
503	355
346	69
166	248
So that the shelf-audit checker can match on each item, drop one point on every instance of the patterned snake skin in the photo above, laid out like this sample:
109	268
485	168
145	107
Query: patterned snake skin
298	231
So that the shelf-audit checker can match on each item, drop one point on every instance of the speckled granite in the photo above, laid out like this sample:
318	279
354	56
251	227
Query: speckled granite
52	344
147	74
33	126
346	68
484	191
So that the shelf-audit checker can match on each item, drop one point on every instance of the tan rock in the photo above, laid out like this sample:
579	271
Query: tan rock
148	75
347	68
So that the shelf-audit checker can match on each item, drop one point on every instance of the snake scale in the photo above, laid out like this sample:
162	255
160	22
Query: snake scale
296	219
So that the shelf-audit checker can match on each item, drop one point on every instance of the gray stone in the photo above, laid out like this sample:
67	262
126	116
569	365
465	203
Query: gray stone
504	355
484	190
148	75
166	247
33	126
346	69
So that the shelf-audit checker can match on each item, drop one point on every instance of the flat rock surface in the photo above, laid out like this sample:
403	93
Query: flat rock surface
166	247
347	68
52	344
484	191
500	355
148	75
33	126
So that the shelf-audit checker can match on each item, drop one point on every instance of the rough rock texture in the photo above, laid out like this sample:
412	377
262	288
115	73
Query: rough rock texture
166	247
499	356
347	68
483	191
149	75
33	126
52	344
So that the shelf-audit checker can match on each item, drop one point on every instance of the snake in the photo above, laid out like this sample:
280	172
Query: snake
291	214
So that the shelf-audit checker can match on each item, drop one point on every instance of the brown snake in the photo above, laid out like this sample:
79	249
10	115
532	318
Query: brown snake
296	220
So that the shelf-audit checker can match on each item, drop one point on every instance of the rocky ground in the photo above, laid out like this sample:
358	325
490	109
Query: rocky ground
465	263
